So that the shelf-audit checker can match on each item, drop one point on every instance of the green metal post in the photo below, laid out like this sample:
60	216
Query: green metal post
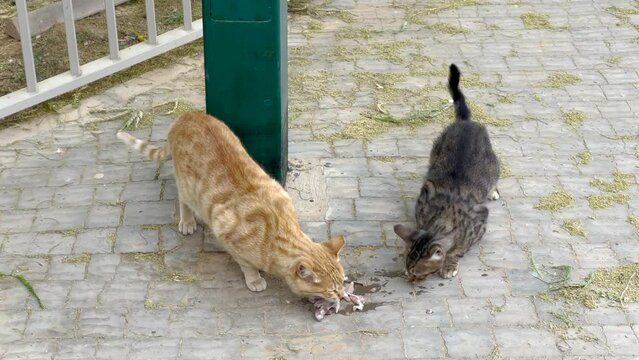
245	62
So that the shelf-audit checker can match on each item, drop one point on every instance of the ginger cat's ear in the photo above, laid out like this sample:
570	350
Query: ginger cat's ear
334	245
306	274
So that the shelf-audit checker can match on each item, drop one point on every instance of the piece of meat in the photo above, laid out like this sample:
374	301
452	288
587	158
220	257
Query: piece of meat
325	307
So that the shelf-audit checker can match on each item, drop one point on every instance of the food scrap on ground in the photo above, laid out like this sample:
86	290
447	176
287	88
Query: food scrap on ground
323	307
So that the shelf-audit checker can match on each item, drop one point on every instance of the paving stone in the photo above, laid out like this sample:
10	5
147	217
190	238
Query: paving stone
107	323
51	323
340	209
342	187
469	342
218	347
76	349
358	233
103	216
15	323
425	343
60	218
125	307
154	212
380	209
621	340
518	342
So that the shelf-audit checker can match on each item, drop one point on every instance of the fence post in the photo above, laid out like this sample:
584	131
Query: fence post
245	62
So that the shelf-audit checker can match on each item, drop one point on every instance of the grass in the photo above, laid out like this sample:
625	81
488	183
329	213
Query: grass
179	277
67	232
26	284
619	183
391	51
416	16
619	284
386	159
74	97
634	221
347	53
573	118
382	84
152	226
299	55
352	32
506	98
77	259
574	228
312	28
445	28
614	60
537	97
504	169
538	21
556	201
473	81
602	201
495	354
584	157
311	86
561	79
375	123
315	11
480	115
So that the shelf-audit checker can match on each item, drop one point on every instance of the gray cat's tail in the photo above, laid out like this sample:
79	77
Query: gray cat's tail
462	111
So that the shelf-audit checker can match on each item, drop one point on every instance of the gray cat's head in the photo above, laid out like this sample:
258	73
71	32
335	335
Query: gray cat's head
423	255
426	247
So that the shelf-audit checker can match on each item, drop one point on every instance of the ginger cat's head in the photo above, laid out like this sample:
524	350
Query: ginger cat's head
319	274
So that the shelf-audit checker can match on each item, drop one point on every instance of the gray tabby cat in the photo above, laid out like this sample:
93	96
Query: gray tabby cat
450	211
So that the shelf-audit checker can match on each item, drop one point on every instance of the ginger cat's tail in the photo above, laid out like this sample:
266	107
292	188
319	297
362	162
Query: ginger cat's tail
150	151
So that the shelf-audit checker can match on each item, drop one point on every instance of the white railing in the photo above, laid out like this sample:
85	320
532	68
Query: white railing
79	75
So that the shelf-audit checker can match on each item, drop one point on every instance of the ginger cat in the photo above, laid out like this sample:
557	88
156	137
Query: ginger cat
249	212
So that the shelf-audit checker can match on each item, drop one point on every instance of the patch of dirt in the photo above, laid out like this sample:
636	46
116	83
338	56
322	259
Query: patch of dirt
50	50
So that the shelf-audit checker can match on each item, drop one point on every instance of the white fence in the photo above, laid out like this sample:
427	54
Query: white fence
79	75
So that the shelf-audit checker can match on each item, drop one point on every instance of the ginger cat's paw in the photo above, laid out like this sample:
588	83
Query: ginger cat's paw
256	285
187	227
449	271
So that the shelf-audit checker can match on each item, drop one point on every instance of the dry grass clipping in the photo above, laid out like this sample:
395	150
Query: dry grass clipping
618	184
538	21
619	284
606	200
574	228
584	157
556	201
573	117
561	79
634	221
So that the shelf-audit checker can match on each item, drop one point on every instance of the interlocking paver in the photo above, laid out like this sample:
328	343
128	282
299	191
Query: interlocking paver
90	223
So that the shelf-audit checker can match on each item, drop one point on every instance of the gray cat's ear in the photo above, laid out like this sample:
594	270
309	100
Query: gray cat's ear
429	187
404	232
306	274
481	211
437	255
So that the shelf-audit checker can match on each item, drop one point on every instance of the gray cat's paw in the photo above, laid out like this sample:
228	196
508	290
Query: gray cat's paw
187	227
448	272
494	195
256	285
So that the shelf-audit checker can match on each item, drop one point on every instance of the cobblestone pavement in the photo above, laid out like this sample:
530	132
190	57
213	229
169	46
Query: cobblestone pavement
89	224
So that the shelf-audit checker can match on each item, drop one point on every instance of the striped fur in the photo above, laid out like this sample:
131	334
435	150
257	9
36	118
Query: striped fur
450	213
150	151
248	212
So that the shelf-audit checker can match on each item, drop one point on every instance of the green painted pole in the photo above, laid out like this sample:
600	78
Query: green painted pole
245	62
